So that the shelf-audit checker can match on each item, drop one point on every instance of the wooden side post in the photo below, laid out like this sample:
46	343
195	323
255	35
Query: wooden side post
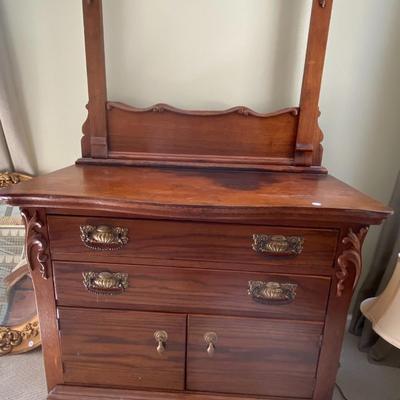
38	255
95	144
308	135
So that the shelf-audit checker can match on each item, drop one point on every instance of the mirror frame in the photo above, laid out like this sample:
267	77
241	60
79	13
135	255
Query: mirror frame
25	336
105	128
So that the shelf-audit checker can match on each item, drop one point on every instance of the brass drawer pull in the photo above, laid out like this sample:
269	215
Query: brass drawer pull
272	292
104	237
278	245
106	283
211	339
161	339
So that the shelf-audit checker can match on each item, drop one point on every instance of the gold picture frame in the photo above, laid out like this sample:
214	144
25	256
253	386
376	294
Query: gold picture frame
20	330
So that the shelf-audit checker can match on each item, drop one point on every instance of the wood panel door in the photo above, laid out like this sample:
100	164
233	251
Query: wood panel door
120	349
252	356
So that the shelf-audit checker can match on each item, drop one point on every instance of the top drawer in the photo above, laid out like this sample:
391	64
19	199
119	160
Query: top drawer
129	240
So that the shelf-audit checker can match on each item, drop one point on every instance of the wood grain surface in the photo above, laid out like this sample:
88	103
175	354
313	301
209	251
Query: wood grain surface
204	136
252	356
191	290
169	240
309	136
190	230
117	348
94	144
62	392
198	194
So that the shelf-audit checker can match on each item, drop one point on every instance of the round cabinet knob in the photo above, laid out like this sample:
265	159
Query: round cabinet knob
211	339
161	340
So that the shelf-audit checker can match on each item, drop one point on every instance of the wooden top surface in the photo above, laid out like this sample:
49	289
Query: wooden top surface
197	194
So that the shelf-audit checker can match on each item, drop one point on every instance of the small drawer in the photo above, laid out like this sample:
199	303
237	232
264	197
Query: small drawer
191	290
129	241
123	348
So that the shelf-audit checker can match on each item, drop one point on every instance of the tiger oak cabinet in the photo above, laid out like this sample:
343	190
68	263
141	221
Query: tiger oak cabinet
194	255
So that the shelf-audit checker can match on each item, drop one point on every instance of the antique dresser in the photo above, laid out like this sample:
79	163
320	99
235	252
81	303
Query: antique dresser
194	255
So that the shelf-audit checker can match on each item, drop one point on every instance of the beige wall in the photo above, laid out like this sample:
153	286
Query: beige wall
215	54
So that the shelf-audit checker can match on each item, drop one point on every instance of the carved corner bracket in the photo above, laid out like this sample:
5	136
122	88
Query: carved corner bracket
36	242
351	256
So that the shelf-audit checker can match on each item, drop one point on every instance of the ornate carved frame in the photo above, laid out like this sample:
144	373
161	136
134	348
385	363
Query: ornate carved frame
20	338
115	133
11	178
25	336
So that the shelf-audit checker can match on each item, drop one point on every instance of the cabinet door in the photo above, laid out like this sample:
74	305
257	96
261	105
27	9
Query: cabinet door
123	348
252	356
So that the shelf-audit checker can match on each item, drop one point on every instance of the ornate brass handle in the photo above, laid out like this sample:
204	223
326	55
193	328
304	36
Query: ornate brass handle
161	339
211	339
106	283
278	245
104	237
272	292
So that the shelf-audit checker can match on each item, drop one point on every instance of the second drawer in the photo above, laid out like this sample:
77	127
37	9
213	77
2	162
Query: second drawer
191	290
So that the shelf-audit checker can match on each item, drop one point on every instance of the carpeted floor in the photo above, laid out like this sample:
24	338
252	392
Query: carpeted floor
22	377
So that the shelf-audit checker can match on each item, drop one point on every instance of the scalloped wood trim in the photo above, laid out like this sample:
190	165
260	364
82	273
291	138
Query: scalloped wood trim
161	107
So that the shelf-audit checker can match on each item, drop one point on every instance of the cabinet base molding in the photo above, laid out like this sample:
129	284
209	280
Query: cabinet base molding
62	392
